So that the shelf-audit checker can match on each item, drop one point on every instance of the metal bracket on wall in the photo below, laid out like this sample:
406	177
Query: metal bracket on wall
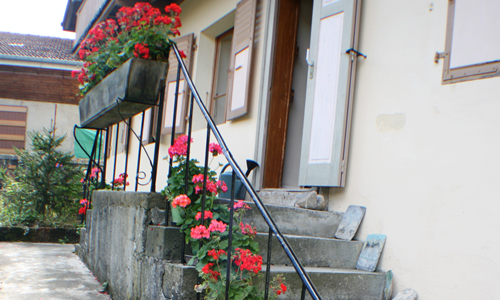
353	52
438	56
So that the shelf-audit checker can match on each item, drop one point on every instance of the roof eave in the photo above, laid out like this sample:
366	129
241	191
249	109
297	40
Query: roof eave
41	60
69	21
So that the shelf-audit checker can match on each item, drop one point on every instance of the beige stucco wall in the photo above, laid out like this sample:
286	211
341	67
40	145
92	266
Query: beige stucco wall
424	157
199	17
42	115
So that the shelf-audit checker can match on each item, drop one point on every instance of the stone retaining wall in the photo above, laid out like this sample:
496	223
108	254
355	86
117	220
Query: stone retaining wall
113	246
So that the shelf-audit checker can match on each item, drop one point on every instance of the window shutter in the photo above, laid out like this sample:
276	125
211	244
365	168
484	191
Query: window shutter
110	141
184	43
122	137
330	86
12	128
146	130
241	59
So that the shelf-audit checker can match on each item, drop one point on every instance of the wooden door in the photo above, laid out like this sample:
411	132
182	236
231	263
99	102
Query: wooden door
281	92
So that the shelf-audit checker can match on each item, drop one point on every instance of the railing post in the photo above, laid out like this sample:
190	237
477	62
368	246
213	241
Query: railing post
139	153
230	237
89	168
105	159
158	137
126	153
268	265
174	117
116	154
205	173
188	154
172	138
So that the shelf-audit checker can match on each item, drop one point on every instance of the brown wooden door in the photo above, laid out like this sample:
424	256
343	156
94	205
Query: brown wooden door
281	92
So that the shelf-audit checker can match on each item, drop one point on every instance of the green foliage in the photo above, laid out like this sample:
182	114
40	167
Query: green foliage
209	238
44	189
140	31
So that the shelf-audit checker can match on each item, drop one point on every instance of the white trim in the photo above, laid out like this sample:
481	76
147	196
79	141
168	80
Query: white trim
35	62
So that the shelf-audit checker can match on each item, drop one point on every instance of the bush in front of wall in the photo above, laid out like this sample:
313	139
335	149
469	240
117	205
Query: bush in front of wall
45	188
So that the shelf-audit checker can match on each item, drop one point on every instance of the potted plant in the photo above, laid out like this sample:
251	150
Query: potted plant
126	59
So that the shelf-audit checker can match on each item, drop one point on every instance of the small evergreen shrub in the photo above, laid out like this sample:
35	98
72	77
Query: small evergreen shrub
45	187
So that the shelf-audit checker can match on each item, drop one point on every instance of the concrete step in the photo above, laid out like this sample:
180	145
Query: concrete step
334	284
331	284
295	221
313	251
166	242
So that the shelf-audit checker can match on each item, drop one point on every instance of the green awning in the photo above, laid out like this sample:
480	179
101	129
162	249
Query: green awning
86	138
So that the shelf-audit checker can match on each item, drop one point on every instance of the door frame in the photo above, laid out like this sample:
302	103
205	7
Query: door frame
280	92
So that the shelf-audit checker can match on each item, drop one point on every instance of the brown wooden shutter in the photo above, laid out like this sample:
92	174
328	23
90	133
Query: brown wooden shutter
241	59
12	128
184	43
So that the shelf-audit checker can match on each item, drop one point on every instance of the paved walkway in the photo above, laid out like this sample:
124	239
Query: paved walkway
35	271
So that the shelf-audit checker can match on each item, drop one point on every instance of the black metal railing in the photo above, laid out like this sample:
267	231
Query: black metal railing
95	157
237	173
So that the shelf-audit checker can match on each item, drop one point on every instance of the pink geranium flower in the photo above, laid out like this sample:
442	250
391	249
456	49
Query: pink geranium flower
208	215
217	226
181	200
240	204
215	149
200	232
179	148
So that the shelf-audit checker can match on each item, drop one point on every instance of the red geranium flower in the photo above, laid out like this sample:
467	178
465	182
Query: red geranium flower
141	50
217	226
208	215
200	232
173	8
181	200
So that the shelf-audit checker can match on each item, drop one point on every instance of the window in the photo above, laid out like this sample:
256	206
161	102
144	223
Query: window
12	128
472	50
122	137
241	59
149	124
185	43
109	141
220	82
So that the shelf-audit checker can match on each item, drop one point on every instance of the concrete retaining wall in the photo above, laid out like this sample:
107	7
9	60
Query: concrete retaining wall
113	246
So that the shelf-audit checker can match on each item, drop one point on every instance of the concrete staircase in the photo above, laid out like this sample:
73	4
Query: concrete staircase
330	263
139	260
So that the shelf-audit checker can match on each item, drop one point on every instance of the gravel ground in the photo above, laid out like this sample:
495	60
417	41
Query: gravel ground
36	271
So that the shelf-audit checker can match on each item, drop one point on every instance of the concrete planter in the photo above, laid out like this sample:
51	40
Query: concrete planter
136	83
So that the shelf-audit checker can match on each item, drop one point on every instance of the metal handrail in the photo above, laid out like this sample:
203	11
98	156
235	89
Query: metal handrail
237	170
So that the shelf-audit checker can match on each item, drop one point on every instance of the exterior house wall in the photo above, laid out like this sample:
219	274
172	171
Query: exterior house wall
424	157
200	18
42	115
46	88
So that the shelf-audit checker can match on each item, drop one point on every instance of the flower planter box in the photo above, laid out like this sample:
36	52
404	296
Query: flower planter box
136	83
